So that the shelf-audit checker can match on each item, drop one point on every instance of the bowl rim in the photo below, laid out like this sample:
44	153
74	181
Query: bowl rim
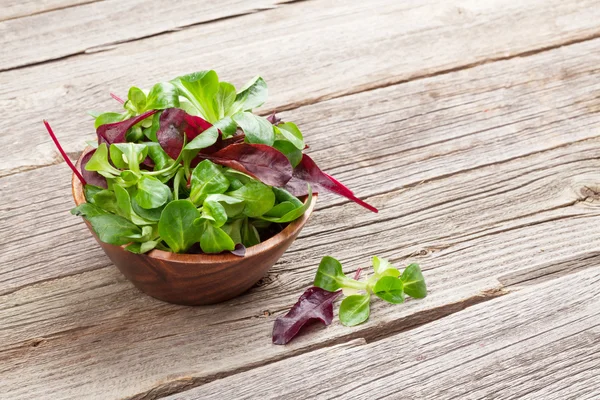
291	229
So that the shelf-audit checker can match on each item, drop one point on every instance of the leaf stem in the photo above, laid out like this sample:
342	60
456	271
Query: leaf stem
117	98
63	154
352	284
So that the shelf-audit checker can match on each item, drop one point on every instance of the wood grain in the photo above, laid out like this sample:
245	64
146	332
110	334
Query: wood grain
411	133
301	58
11	9
94	26
541	343
487	176
479	226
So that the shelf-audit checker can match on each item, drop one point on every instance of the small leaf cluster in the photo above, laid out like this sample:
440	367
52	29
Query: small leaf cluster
387	283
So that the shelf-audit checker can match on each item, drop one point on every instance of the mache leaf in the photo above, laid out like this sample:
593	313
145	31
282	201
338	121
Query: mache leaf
176	226
414	282
355	309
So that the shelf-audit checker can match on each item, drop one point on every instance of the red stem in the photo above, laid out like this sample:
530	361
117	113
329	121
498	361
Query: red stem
357	273
63	154
117	98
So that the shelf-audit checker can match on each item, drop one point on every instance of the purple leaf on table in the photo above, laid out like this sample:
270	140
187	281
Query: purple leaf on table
314	304
308	171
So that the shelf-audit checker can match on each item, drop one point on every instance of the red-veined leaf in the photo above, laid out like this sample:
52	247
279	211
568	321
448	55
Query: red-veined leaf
314	304
174	124
257	160
308	171
115	132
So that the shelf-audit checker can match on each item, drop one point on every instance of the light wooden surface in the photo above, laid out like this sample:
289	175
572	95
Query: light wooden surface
541	342
473	126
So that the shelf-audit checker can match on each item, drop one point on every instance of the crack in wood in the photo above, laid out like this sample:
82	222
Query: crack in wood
112	45
373	334
82	3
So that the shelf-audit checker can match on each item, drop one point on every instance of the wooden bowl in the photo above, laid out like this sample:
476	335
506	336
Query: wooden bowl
195	279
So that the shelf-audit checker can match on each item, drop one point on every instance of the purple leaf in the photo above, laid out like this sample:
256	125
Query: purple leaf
239	250
115	132
92	177
314	304
175	124
308	171
273	119
222	143
257	160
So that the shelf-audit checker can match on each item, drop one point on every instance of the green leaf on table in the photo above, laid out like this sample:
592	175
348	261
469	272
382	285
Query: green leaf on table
257	129
176	226
383	267
355	309
258	198
151	193
390	289
330	275
207	178
199	88
215	240
290	131
252	95
414	282
224	99
162	95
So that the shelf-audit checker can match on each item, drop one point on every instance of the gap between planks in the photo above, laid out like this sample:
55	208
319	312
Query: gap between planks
513	283
111	45
361	89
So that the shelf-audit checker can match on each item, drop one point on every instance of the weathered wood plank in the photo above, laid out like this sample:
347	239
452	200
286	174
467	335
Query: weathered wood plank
478	226
409	133
541	343
11	9
92	27
287	55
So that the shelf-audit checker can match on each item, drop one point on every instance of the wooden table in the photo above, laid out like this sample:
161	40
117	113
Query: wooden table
472	125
